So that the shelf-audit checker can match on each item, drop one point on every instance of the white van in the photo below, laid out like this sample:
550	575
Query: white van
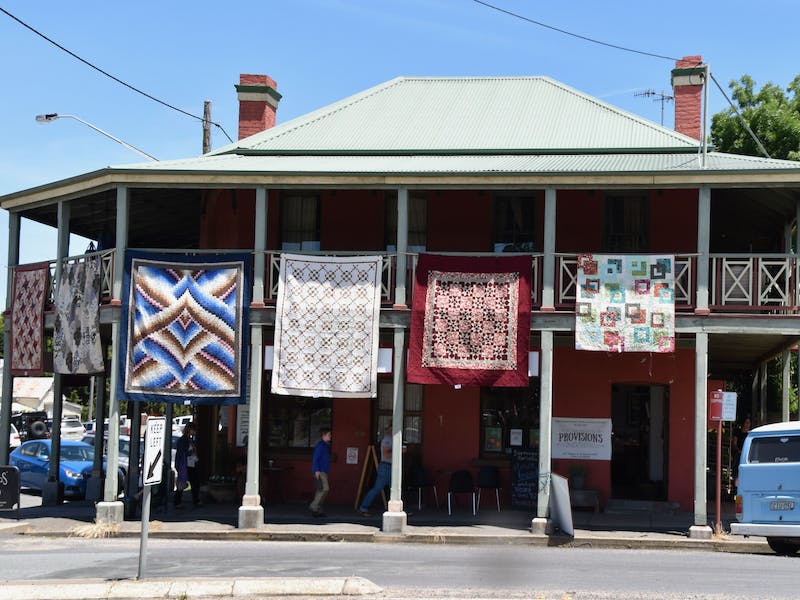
178	423
768	494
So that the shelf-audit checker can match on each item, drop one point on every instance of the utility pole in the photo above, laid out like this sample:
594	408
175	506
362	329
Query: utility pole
206	126
659	97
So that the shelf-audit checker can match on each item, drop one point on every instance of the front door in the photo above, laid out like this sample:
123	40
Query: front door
639	441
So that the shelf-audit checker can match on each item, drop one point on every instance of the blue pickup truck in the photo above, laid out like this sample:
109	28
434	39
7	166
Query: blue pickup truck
768	492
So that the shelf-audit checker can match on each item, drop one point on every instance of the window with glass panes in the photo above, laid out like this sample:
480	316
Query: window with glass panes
513	222
412	413
294	422
626	222
509	419
300	217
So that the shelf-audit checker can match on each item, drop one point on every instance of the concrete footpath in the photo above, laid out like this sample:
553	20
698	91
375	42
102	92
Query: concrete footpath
626	526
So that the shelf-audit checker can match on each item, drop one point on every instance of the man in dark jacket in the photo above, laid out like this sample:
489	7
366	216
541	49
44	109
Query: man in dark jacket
320	467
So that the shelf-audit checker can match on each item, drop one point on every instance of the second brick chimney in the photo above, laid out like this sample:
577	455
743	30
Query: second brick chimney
258	103
688	78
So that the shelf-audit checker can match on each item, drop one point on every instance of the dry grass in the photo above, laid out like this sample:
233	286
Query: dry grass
95	530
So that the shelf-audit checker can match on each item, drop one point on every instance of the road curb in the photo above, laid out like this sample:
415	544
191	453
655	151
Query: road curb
98	589
440	537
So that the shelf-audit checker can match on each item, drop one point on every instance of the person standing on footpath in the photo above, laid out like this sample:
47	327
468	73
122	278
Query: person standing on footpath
186	460
384	476
320	467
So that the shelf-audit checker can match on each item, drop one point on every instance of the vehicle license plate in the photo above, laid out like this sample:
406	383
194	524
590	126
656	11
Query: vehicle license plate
781	505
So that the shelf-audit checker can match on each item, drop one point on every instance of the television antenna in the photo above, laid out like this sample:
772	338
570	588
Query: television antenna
657	97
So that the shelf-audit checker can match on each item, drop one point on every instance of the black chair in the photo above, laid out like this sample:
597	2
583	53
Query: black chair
489	478
418	480
461	482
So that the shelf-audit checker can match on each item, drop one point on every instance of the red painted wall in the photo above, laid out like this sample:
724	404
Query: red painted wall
459	221
579	221
341	231
227	220
589	395
673	221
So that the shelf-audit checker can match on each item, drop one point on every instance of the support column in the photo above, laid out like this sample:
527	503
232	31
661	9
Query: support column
53	489
786	381
762	393
700	529
251	512
402	249
8	380
111	510
541	524
703	244
94	487
395	519
754	397
549	258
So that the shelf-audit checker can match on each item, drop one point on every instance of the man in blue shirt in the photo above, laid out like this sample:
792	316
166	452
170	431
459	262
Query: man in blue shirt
320	467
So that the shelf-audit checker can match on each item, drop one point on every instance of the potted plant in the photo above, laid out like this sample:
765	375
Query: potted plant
577	475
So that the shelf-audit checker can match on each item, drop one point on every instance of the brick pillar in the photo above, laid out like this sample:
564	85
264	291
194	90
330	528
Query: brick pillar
687	87
258	103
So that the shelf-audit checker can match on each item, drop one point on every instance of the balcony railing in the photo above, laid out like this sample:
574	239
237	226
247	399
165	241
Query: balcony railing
765	283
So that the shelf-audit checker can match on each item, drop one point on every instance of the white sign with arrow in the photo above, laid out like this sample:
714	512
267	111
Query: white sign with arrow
153	463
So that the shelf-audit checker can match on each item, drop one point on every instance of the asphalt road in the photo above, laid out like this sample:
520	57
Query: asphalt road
419	571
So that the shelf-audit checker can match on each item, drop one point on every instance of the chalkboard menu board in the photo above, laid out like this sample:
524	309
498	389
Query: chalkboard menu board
524	478
9	488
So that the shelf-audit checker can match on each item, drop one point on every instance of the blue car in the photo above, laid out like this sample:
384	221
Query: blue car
33	461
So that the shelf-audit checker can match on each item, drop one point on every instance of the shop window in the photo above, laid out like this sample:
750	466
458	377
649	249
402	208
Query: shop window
626	224
513	220
417	221
300	221
294	422
412	413
509	419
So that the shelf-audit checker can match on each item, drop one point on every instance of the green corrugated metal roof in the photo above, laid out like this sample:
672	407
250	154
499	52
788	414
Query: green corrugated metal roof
475	164
465	115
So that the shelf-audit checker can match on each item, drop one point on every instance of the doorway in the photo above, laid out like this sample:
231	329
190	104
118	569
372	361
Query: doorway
639	441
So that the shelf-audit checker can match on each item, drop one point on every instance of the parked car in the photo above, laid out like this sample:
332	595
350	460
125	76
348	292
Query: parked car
88	426
768	493
31	425
13	438
72	429
32	459
178	423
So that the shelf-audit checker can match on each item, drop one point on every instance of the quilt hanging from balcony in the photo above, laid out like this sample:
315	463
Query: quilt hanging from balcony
30	289
470	320
76	334
326	326
184	329
625	303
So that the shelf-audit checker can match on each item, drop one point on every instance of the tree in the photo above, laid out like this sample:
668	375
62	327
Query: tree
772	113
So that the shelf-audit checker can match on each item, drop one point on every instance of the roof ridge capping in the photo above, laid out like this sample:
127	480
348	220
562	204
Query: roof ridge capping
462	114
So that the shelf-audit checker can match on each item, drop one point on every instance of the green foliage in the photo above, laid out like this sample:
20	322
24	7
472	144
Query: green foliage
772	113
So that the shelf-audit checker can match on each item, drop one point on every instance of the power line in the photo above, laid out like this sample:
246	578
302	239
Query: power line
110	76
575	35
741	117
633	50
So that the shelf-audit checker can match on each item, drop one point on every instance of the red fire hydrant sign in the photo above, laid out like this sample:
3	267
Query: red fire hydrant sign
722	406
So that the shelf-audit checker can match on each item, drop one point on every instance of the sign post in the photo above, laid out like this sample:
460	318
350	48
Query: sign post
152	467
721	407
9	489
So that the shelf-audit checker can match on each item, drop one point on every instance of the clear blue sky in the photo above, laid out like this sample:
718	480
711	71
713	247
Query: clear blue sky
320	51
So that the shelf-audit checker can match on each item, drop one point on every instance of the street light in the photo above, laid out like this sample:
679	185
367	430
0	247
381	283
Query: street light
50	117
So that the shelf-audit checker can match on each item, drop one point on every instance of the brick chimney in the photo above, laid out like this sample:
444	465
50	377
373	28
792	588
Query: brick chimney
258	103
688	77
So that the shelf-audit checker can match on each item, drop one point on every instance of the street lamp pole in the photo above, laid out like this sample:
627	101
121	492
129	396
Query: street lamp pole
50	117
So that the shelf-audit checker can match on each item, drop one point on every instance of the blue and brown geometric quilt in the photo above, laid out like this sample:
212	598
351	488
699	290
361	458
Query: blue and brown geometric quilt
184	329
31	287
625	303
